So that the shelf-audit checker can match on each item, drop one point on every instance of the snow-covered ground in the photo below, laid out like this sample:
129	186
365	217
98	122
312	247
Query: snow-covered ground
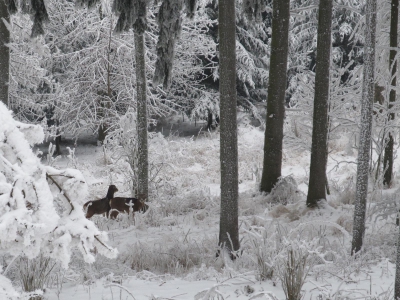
169	252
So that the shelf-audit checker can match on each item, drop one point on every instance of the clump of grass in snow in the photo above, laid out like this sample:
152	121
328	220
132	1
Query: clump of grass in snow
173	256
293	272
34	274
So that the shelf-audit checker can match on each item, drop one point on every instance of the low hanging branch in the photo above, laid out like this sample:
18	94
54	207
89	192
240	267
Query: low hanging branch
61	190
105	246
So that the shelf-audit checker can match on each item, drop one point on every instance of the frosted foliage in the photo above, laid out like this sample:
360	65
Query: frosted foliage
132	14
254	8
7	291
191	6
170	25
37	9
88	3
41	207
285	191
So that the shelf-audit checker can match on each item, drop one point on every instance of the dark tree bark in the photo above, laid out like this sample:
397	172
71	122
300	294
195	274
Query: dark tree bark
209	120
319	149
141	98
4	53
388	156
132	14
366	128
276	95
229	229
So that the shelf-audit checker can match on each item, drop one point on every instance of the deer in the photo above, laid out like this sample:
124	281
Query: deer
126	205
98	207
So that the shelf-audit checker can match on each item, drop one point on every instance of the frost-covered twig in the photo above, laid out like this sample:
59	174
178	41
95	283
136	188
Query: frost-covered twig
105	246
121	287
59	187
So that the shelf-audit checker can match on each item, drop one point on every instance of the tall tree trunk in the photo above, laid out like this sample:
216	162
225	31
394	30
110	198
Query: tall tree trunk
319	149
388	156
366	127
229	229
397	277
276	96
141	99
4	53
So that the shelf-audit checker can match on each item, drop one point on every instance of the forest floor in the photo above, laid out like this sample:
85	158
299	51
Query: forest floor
169	252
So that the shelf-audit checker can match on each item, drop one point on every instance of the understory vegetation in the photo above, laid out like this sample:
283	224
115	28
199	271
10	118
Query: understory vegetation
293	251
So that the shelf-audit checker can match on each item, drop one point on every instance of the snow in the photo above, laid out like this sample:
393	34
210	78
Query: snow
169	252
29	221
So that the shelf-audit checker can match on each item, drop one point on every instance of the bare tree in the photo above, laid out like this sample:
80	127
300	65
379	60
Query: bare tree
228	228
319	150
276	95
366	127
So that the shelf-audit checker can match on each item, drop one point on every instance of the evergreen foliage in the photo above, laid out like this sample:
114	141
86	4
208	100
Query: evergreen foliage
191	6
132	14
87	3
170	24
254	9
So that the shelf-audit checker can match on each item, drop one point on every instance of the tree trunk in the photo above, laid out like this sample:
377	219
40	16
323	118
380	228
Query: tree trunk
366	127
319	149
209	120
141	98
229	229
276	96
397	277
101	133
388	156
4	53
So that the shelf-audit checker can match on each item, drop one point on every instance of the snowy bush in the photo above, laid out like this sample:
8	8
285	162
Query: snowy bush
41	207
284	192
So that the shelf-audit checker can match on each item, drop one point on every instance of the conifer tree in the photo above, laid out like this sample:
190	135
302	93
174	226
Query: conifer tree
319	150
388	156
366	128
132	14
229	229
4	52
276	95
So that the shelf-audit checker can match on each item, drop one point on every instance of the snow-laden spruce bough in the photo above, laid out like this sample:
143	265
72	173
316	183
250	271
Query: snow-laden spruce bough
40	207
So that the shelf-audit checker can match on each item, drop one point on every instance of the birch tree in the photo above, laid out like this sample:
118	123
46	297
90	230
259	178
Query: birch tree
388	156
276	95
228	228
319	150
366	127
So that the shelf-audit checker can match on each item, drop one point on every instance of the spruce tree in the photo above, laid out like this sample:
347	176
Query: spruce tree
366	128
132	14
388	156
319	150
276	95
229	229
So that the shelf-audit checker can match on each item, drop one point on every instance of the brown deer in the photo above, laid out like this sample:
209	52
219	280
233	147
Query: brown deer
125	205
98	207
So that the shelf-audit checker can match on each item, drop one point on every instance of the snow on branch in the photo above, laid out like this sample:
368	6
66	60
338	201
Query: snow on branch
41	207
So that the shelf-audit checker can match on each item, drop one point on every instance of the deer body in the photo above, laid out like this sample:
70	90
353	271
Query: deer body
98	207
124	205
